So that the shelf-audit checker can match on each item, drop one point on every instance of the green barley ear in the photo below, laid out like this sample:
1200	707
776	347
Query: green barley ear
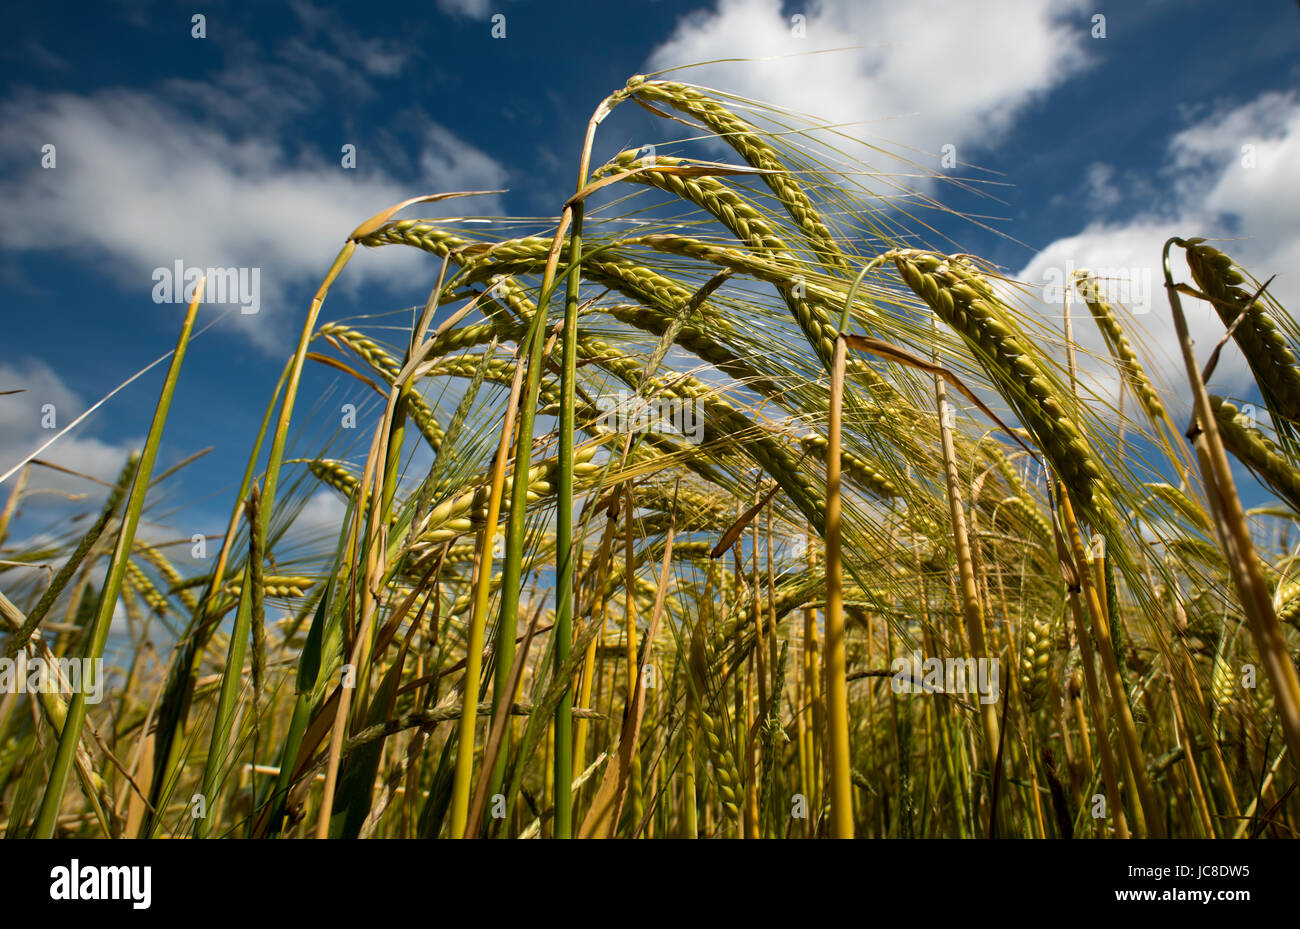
151	595
1126	359
1179	500
1255	450
1259	335
331	472
115	497
275	585
863	474
1287	603
167	570
1022	503
387	367
710	706
750	144
725	770
963	299
1036	662
751	226
1220	686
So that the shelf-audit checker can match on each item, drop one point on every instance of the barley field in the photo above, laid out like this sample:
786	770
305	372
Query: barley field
732	504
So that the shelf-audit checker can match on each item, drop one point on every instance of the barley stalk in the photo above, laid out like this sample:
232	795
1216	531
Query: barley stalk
70	736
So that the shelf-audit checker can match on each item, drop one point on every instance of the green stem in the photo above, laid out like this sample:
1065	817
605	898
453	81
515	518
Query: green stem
563	825
69	738
512	570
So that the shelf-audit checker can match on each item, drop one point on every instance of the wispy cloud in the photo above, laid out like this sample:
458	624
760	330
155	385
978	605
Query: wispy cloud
211	173
383	57
467	8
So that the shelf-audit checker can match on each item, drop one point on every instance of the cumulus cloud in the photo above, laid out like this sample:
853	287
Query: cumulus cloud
1234	174
962	74
22	430
930	74
320	517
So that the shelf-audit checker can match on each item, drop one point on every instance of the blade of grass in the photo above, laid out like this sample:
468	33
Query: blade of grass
70	738
482	593
837	691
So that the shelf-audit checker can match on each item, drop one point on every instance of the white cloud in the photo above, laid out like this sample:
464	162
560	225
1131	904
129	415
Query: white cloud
1126	260
473	9
143	179
22	432
1103	194
140	184
952	73
1217	191
324	512
1250	157
383	57
315	529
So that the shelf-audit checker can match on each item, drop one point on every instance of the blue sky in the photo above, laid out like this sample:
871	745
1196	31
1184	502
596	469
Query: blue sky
225	150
